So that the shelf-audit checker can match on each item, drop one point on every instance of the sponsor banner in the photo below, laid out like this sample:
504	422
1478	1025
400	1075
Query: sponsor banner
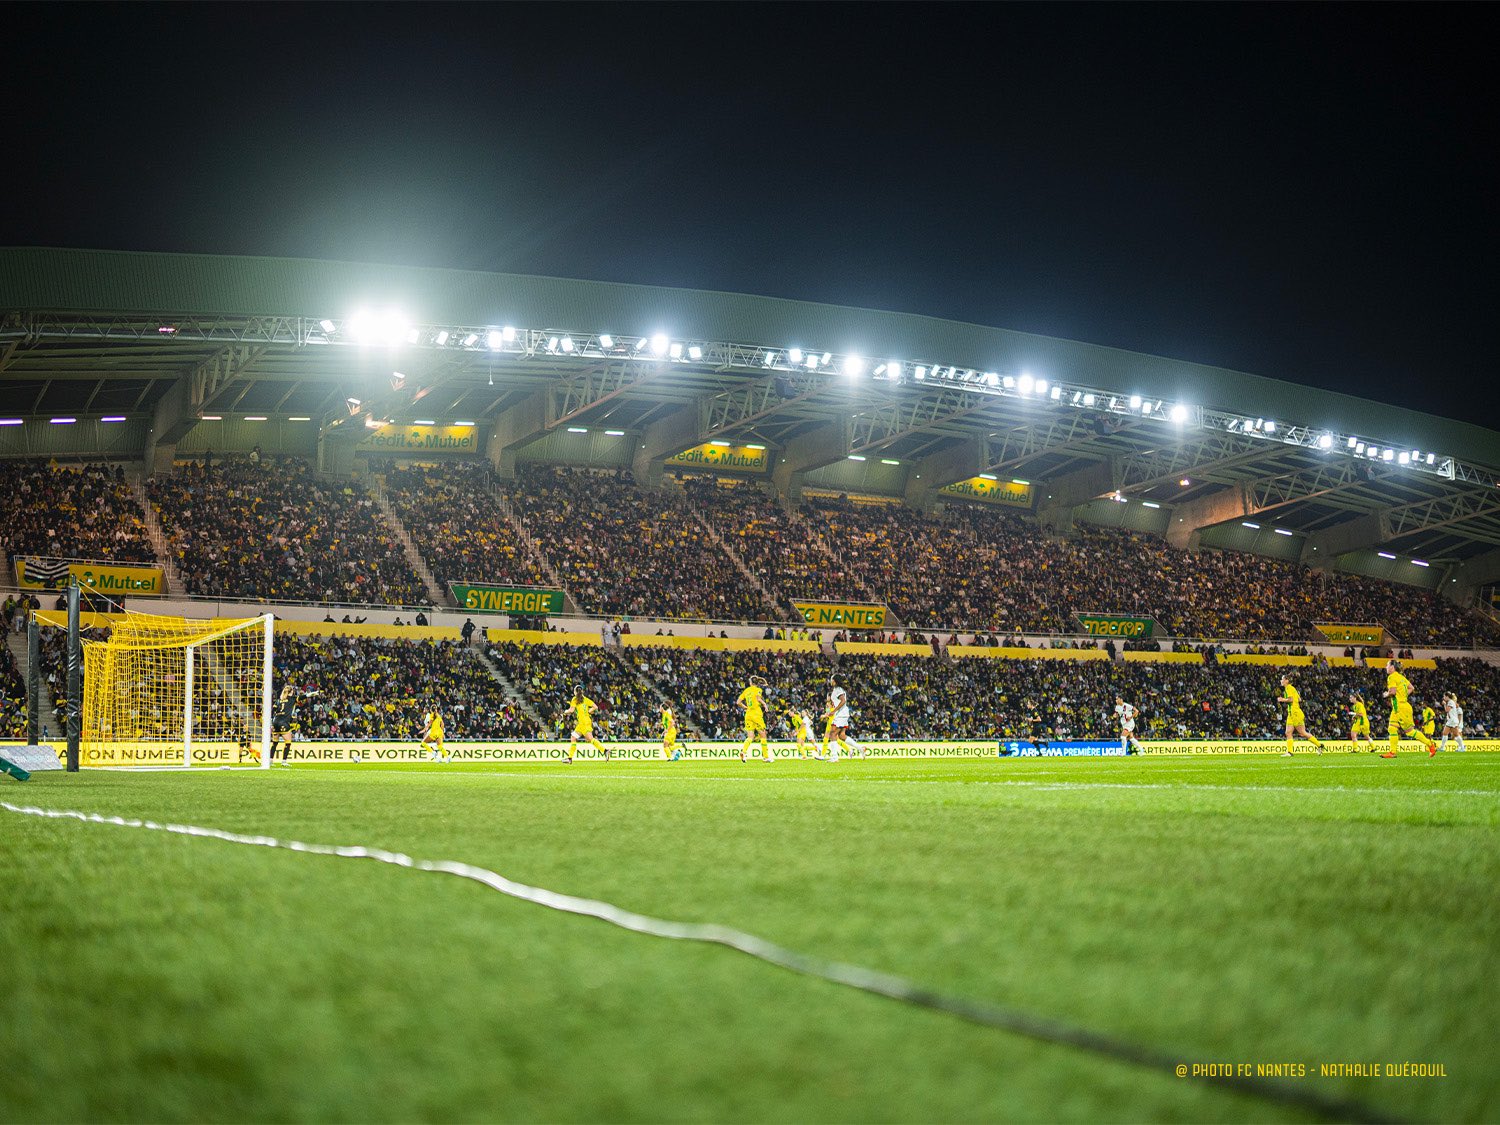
1068	748
106	578
1116	625
228	754
1339	634
479	597
741	458
393	438
848	615
988	491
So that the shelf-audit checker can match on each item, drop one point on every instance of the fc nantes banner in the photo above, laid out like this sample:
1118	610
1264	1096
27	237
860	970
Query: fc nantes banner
711	455
507	599
392	438
989	491
1116	625
106	578
847	615
1352	634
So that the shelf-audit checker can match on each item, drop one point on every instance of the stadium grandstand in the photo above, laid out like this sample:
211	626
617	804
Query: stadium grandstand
365	449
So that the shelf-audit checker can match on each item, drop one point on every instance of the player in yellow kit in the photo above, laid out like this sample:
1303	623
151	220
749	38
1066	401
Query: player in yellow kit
1359	720
582	708
801	726
432	741
1429	721
1397	689
669	749
752	702
1296	721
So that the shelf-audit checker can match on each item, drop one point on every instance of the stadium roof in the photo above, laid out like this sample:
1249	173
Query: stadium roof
182	336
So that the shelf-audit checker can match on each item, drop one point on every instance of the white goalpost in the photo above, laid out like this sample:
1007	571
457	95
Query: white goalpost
167	691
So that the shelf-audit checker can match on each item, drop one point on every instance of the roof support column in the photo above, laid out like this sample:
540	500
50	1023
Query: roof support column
824	445
1189	520
522	423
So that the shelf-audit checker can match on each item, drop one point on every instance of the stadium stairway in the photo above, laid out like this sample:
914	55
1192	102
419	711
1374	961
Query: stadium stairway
155	533
16	642
777	613
569	605
436	593
688	726
512	693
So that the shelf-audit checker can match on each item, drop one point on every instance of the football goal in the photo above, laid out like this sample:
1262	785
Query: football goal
168	691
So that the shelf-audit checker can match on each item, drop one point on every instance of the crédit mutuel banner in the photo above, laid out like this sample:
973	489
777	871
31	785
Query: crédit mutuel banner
479	597
1351	634
988	490
1116	625
843	615
103	577
721	455
393	438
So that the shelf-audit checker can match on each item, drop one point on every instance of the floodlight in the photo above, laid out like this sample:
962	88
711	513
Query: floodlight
606	341
471	339
1282	531
1417	562
1431	458
1359	446
373	423
442	338
812	363
893	369
721	444
1150	504
988	476
1056	393
1089	400
461	422
614	433
1041	386
1385	554
1325	442
827	359
1179	414
1135	402
10	421
1010	382
508	334
552	344
675	350
770	359
1270	427
578	429
113	418
660	344
752	445
1388	455
992	378
424	422
854	365
327	326
212	417
352	401
494	340
793	354
1251	526
567	343
856	457
888	461
299	418
1354	442
1184	482
398	380
920	374
641	342
1025	384
695	352
413	335
1404	458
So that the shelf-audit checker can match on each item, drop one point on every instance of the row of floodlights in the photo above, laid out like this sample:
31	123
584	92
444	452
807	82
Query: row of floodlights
61	420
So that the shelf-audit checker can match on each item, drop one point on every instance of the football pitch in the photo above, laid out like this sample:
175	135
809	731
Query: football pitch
1310	918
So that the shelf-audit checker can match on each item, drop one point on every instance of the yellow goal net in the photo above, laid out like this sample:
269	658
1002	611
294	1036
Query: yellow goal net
169	691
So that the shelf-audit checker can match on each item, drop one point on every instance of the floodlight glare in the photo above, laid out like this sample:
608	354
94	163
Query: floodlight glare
1325	442
1010	382
827	359
1404	458
508	334
494	340
413	335
893	369
854	365
1041	386
461	422
793	354
1135	402
1179	414
660	344
1025	384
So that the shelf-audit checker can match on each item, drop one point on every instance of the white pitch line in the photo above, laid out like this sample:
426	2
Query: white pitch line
1332	790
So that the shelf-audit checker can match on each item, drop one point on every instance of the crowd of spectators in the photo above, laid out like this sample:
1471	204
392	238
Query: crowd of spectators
12	697
622	551
270	528
55	511
458	525
351	688
549	674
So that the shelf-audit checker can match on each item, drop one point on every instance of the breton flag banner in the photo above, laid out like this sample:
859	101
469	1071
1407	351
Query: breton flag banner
48	572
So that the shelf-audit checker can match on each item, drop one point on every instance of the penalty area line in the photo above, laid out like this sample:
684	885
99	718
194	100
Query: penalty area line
875	982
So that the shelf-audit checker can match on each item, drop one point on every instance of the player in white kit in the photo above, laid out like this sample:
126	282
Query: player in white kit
837	715
1125	713
1453	720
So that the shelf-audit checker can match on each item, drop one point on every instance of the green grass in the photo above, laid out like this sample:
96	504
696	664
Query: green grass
1335	909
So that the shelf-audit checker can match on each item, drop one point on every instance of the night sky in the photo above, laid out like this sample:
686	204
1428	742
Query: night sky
1306	193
